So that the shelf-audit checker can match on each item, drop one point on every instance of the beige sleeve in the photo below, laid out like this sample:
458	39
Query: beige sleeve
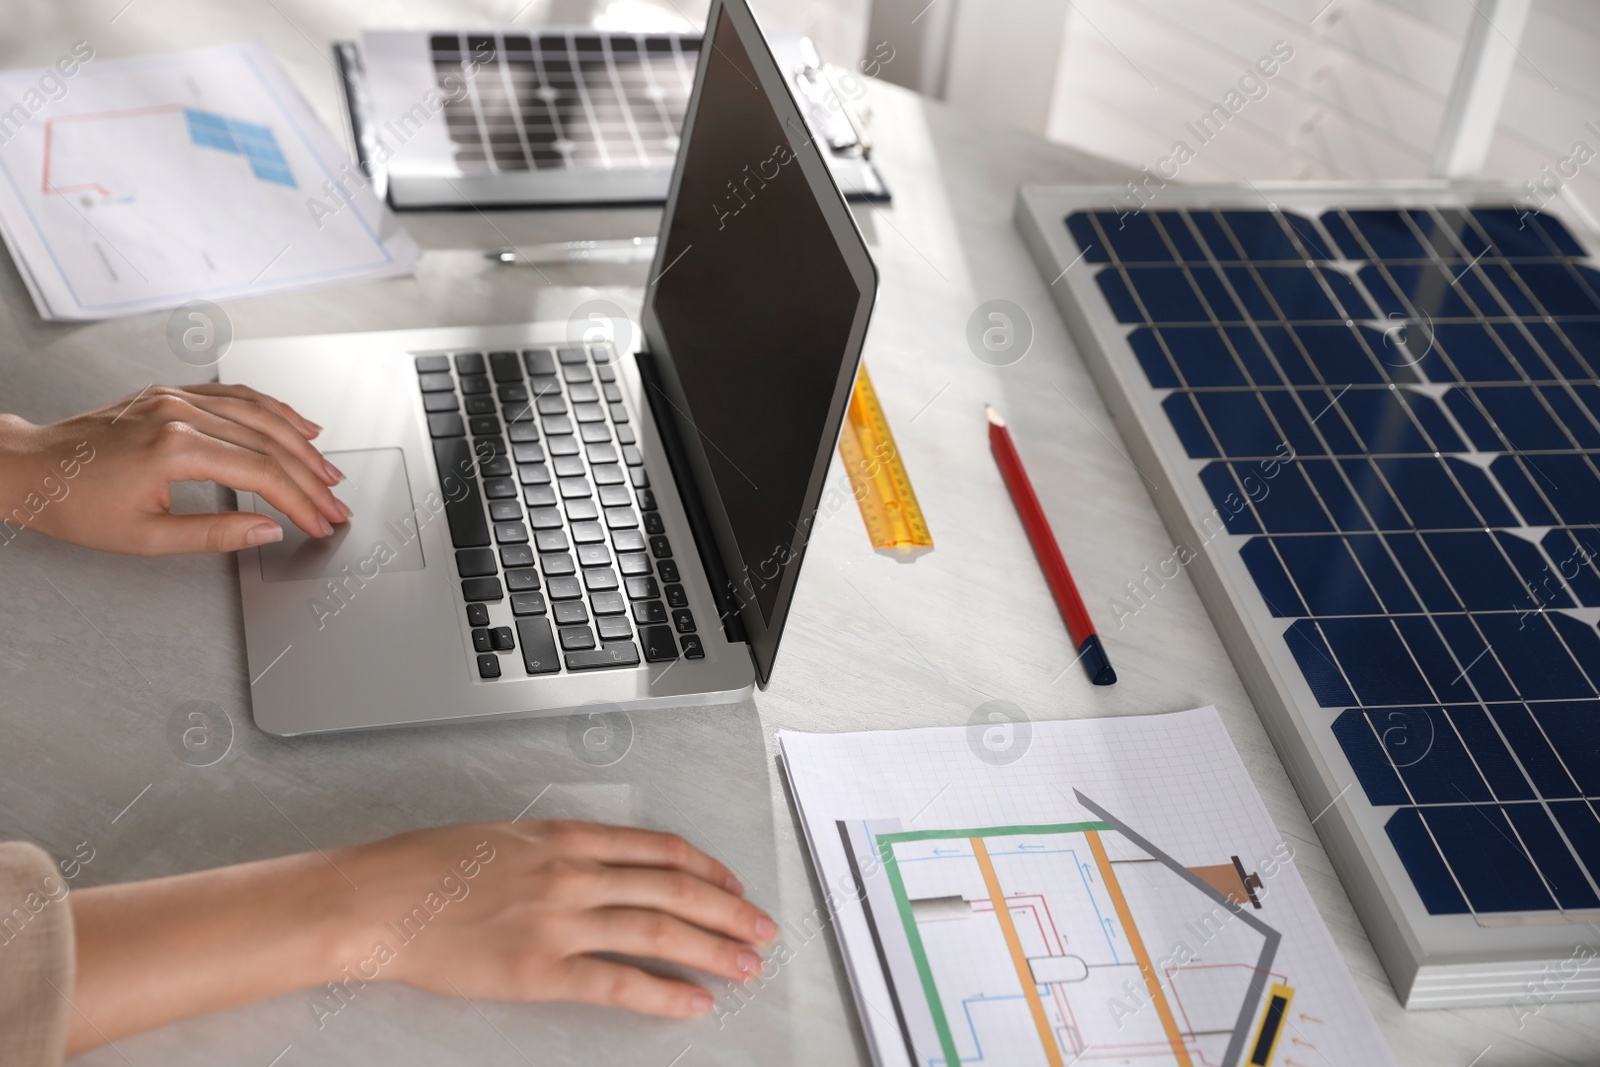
37	956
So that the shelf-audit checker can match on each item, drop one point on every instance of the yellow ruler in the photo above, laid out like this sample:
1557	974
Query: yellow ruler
878	477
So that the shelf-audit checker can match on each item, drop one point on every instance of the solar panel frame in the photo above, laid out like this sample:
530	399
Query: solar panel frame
1433	959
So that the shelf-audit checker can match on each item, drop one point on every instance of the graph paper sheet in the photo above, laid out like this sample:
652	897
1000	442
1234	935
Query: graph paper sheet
1104	891
142	184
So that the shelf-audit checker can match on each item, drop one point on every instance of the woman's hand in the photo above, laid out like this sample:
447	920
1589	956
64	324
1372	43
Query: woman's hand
516	911
103	479
501	911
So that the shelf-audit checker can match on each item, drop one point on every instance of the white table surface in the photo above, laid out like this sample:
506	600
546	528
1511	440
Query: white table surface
97	651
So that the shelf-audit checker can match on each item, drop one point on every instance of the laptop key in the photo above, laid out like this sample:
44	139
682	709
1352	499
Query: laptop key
676	597
462	507
488	665
614	496
586	533
469	362
432	364
659	644
613	628
582	510
563	589
607	374
647	500
632	456
545	385
692	648
683	621
595	433
505	366
538	361
437	383
660	547
608	474
533	473
577	373
552	404
501	637
608	603
625	435
618	413
538	646
583	393
510	533
557	564
500	489
477	615
575	487
478	405
646	612
494	446
594	556
636	475
576	638
512	393
527	604
539	496
529	453
613	392
551	541
569	613
567	466
475	385
480	640
475	562
644	589
522	579
504	511
516	556
446	424
481	589
603	453
517	412
652	523
631	563
600	578
522	432
625	519
544	518
611	654
494	467
433	403
569	354
556	425
668	571
588	413
562	445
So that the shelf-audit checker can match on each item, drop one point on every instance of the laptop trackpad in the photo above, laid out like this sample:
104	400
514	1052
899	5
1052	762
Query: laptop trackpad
381	536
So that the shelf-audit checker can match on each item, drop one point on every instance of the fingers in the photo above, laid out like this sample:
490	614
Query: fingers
591	981
266	420
228	532
655	935
640	848
244	392
684	896
195	456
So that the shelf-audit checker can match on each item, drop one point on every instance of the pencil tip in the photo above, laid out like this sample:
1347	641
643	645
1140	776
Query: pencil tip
994	416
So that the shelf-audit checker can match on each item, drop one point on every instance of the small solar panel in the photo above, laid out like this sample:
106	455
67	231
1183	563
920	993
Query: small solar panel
1393	412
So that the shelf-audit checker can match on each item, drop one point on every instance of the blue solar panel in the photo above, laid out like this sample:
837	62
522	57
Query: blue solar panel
1399	412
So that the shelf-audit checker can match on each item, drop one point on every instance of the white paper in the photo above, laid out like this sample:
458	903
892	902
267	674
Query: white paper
151	182
1093	861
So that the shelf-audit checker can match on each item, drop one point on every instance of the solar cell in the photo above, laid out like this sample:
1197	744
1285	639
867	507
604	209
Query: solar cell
1430	533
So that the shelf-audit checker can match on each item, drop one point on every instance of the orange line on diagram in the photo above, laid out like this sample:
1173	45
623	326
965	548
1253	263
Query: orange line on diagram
1030	988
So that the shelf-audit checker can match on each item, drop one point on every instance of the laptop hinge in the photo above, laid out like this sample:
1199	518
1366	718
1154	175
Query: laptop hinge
722	590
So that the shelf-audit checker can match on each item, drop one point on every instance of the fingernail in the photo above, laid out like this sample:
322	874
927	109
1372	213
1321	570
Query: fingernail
766	929
749	962
335	475
327	527
700	1003
734	886
344	509
315	429
262	533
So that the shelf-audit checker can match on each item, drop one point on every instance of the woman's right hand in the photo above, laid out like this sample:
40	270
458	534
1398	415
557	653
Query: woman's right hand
517	911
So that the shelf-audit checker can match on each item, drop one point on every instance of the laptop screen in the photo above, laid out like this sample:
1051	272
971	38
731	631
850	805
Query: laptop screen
759	307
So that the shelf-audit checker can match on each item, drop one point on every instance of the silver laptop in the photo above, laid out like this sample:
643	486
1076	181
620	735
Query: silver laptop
544	523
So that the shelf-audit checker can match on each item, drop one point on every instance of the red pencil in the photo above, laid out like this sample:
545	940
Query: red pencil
1062	587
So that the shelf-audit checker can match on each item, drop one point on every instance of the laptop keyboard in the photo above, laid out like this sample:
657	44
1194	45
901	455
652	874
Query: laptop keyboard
551	514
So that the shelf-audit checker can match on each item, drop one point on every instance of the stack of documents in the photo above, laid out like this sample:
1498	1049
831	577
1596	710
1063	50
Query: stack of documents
1107	891
142	184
